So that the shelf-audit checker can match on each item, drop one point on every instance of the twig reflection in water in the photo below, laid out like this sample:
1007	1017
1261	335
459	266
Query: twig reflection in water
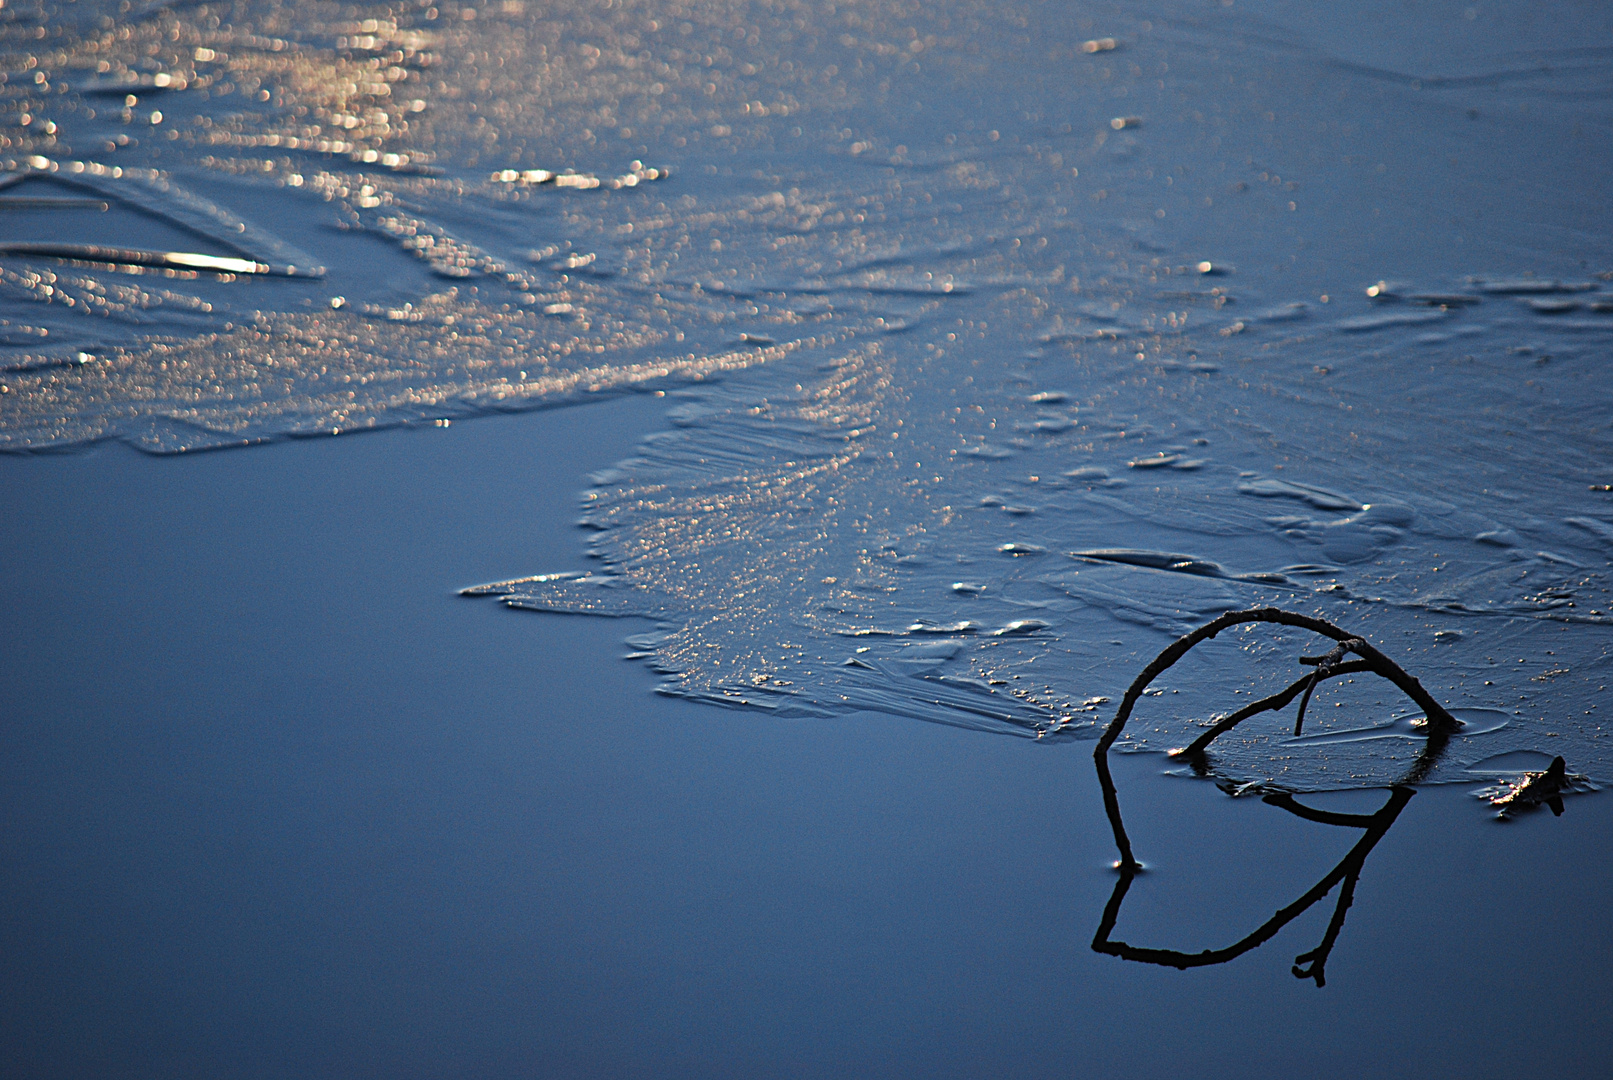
1308	965
1440	724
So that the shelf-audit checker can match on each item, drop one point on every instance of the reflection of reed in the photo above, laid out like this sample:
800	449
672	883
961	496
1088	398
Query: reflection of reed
1308	965
1439	727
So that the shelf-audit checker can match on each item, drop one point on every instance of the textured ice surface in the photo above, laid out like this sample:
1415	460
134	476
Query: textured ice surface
994	360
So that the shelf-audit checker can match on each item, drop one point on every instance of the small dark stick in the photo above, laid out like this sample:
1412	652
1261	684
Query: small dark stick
1324	668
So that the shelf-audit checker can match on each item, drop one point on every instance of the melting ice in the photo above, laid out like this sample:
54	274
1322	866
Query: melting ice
1001	343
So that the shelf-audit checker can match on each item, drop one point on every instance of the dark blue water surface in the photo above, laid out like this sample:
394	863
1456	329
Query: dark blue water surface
845	365
267	815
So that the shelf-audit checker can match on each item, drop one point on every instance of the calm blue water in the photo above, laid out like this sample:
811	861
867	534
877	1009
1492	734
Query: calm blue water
958	359
267	814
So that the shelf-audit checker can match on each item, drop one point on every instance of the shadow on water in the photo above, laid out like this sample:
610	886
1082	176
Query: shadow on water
1440	725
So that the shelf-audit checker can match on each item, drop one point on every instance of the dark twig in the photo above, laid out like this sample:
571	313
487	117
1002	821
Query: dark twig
1305	699
1439	718
1111	807
1440	726
1324	667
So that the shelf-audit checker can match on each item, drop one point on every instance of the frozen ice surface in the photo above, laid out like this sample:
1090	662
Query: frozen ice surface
997	356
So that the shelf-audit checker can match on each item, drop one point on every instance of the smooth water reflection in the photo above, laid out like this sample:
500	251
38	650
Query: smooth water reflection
1307	965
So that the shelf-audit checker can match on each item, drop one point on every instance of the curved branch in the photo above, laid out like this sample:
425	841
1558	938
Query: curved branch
1439	718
